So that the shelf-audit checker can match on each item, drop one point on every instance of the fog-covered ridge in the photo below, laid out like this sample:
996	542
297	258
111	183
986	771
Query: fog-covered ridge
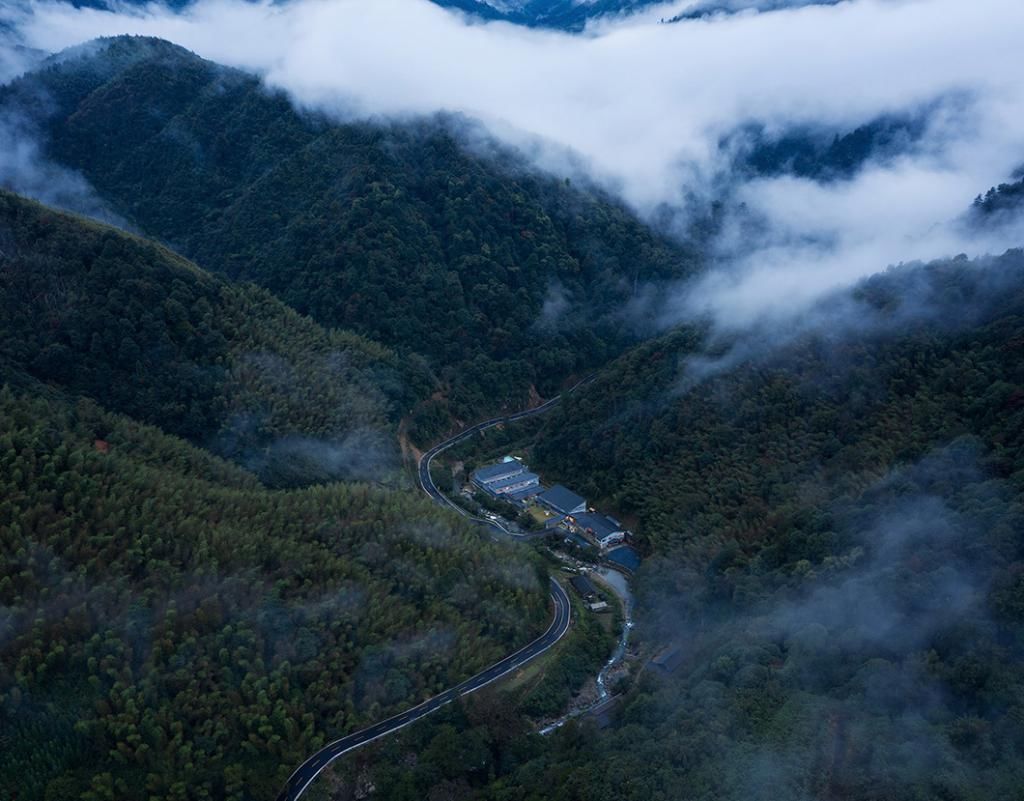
642	108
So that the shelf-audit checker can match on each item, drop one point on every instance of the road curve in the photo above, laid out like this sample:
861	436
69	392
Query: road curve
312	767
427	482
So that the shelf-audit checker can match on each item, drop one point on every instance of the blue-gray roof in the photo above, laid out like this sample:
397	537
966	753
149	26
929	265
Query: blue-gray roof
526	492
599	524
579	540
511	481
493	472
562	500
625	556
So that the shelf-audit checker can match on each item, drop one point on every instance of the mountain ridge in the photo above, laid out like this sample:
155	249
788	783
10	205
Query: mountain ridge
344	221
147	333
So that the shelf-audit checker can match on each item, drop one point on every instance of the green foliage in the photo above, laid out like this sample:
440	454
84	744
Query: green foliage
455	753
172	630
107	315
835	528
837	531
580	657
741	455
827	155
400	233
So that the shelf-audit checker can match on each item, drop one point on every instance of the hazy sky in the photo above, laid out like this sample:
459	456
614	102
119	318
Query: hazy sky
644	105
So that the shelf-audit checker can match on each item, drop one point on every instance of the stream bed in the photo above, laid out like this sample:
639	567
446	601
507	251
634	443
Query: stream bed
619	584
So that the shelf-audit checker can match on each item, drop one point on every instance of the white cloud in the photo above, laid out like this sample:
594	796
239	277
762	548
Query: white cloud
644	104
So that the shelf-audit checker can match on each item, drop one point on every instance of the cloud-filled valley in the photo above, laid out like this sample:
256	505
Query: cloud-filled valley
745	276
642	108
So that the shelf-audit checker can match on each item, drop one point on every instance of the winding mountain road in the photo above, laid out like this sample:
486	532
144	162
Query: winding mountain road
304	775
312	767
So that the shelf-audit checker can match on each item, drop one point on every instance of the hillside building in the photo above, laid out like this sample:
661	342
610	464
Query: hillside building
504	469
584	588
509	480
669	659
603	530
563	501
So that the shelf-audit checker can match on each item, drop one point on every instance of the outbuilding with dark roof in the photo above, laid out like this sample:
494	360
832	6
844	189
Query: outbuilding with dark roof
668	659
584	588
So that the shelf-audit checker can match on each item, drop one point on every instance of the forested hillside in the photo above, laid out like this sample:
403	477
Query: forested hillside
835	532
822	154
568	15
171	630
837	536
829	506
1000	203
114	317
706	9
500	277
916	357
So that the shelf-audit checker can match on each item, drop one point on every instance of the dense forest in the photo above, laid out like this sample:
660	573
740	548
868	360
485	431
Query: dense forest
500	277
835	535
136	327
209	564
837	547
913	357
172	630
887	668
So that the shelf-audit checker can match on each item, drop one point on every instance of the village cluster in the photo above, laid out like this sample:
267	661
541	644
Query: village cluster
553	508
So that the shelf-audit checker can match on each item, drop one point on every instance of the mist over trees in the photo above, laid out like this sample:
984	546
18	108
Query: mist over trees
1000	204
172	630
704	9
833	526
835	537
212	562
822	154
398	232
169	627
122	320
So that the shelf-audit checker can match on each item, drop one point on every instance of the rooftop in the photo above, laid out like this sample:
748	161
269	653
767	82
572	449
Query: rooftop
562	499
669	659
579	540
526	492
600	525
625	556
583	586
492	472
510	481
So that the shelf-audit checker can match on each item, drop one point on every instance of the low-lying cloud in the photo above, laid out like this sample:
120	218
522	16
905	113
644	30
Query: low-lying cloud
642	107
23	168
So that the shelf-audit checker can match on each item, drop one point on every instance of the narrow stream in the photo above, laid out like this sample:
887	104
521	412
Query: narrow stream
619	584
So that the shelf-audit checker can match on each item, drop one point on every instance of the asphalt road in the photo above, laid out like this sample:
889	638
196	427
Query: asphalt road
311	768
